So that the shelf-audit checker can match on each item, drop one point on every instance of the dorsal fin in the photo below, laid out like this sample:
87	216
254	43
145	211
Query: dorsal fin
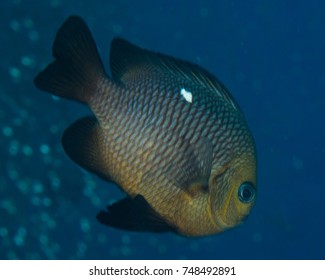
129	63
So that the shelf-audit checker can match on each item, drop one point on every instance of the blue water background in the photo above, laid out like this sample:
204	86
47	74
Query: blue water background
269	53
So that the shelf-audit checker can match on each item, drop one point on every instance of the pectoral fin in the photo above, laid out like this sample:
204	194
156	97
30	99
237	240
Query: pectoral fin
84	143
133	214
192	171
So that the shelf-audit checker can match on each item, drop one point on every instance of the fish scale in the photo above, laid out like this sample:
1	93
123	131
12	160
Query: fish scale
165	130
187	121
130	150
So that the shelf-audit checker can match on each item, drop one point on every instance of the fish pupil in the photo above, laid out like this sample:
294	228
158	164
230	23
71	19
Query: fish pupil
246	192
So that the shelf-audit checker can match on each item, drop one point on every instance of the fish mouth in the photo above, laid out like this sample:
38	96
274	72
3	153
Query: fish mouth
219	220
229	215
221	224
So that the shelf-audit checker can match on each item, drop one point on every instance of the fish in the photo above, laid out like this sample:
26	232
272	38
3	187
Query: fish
164	130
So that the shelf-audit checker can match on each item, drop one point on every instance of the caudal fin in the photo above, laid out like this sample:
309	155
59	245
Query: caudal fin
77	68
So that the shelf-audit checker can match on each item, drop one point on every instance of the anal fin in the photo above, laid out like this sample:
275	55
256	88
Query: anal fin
133	214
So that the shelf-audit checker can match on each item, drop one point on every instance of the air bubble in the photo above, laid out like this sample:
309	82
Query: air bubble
14	72
54	129
18	121
36	201
126	239
19	240
15	25
7	131
125	250
28	23
23	187
47	201
55	3
43	239
27	150
38	187
44	149
14	147
22	231
162	249
56	183
9	206
95	201
33	35
27	61
13	174
51	224
84	224
3	232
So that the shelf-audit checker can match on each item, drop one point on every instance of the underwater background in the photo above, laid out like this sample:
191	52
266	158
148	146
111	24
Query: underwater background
269	54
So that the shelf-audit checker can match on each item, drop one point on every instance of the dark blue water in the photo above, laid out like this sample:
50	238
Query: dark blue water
269	53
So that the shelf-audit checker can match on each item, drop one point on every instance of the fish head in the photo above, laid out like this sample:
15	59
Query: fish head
233	191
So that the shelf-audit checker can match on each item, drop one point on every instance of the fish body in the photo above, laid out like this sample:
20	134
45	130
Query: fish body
166	131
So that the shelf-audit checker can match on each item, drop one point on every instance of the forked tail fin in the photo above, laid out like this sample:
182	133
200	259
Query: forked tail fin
77	67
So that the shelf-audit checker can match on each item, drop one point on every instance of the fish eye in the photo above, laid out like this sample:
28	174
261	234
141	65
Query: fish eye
246	192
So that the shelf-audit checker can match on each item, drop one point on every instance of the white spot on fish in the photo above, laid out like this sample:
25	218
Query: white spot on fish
187	95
